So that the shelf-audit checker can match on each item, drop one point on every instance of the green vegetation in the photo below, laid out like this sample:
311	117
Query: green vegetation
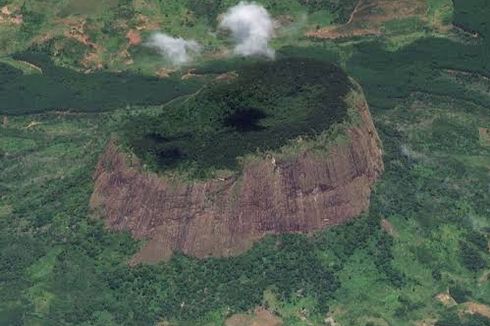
63	89
59	266
440	11
65	26
268	105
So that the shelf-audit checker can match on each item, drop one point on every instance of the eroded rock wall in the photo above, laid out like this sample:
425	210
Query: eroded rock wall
218	218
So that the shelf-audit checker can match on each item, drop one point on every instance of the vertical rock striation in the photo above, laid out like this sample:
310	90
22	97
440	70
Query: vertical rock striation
305	192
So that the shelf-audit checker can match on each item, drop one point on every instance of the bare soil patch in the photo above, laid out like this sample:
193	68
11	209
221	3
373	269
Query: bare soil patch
446	299
5	210
10	16
484	136
164	72
260	317
389	228
368	17
477	308
426	322
134	37
227	76
484	278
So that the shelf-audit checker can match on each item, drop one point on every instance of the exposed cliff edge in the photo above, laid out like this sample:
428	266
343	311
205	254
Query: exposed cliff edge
305	191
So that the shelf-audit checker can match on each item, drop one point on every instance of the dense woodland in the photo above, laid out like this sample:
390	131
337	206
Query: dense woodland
59	88
59	266
263	109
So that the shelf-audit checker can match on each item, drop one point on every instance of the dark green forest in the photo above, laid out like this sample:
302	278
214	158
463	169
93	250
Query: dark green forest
262	109
62	89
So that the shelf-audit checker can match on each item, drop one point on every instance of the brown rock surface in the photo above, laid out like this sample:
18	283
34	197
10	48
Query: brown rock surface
261	317
300	193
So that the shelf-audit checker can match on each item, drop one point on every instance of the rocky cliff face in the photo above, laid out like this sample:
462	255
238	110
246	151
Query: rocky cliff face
302	193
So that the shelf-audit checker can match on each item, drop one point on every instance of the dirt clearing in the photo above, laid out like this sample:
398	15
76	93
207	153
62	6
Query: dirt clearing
369	16
477	308
260	317
485	136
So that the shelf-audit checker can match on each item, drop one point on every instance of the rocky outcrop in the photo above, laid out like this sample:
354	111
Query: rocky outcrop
304	192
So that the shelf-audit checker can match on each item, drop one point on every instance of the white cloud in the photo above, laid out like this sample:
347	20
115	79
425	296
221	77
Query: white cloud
176	49
252	28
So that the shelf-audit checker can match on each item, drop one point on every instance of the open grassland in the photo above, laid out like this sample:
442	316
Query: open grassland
419	257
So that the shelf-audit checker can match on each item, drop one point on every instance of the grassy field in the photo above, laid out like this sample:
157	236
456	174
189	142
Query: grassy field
426	232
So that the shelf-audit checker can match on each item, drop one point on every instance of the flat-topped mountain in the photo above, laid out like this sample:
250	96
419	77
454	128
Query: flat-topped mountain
287	146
